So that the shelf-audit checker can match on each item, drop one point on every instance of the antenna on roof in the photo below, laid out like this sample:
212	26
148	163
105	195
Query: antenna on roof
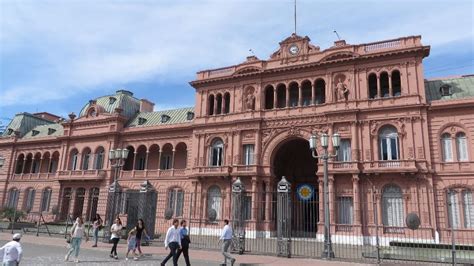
295	18
339	38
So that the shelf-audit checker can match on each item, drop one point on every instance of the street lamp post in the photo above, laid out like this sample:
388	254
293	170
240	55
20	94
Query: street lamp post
117	159
328	253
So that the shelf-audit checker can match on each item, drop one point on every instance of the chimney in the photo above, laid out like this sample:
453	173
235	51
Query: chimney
146	105
340	43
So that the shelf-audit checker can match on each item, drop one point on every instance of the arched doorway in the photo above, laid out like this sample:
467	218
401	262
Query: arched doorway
293	159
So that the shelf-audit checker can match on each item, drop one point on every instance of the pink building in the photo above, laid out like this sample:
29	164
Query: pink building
407	140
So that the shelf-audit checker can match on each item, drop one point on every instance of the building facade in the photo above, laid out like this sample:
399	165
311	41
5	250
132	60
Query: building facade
407	140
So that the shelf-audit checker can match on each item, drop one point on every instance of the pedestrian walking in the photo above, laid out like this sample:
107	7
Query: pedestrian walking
77	232
115	233
141	231
185	241
12	251
226	239
173	242
97	226
132	244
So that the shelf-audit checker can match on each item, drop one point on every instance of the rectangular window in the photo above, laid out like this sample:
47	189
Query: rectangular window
468	209
99	162
344	153
85	164
453	209
345	210
216	156
247	207
141	163
30	199
462	148
45	200
384	149
248	154
447	150
176	202
74	162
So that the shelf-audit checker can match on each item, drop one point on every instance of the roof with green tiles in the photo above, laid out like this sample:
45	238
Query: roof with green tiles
121	99
49	130
167	117
23	123
457	88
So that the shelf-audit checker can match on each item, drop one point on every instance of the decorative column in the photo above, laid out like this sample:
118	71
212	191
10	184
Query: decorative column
332	199
379	87
215	104
390	90
287	96
159	159
354	141
313	93
300	95
40	164
275	98
146	159
23	166
356	197
172	160
254	199
268	201
134	160
31	166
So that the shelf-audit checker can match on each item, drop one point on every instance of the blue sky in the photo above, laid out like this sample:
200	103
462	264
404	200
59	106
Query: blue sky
57	55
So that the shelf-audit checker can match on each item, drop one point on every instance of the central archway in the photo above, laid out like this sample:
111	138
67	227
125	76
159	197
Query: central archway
293	159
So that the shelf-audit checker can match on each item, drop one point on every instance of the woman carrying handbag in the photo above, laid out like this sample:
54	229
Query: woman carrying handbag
115	233
77	232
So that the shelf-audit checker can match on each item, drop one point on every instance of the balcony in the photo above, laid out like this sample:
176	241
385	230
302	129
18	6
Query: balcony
391	166
245	170
34	176
342	167
456	167
212	171
82	175
155	173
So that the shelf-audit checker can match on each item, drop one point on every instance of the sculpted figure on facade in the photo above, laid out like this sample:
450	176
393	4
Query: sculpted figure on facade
342	92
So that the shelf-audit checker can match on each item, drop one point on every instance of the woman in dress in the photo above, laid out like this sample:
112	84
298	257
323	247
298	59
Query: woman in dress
76	234
96	227
185	241
141	231
115	233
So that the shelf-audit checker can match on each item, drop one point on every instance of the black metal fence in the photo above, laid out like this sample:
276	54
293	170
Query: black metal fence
369	225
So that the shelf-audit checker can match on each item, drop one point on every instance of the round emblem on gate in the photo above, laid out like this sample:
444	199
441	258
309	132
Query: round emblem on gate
305	192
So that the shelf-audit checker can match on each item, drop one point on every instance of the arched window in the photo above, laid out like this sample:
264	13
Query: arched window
99	158
320	91
388	138
29	199
175	201
447	147
226	103
210	105
281	96
392	206
384	86
396	83
86	157
461	146
19	164
453	208
294	94
73	160
219	104
468	207
269	94
45	200
214	201
373	86
216	153
306	92
13	196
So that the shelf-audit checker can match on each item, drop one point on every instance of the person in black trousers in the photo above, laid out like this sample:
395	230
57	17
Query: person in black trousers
185	241
173	242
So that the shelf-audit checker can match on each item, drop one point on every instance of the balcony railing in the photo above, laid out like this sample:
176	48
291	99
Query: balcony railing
212	170
245	169
154	173
34	176
82	174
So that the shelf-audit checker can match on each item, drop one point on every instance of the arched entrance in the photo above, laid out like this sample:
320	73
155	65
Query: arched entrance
293	159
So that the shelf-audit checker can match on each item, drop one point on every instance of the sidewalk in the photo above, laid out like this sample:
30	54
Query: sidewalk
159	251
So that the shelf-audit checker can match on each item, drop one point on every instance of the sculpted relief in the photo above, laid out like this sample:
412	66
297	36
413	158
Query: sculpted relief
249	99
341	89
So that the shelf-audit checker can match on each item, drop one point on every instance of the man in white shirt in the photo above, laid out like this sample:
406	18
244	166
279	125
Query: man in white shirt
172	241
226	238
12	251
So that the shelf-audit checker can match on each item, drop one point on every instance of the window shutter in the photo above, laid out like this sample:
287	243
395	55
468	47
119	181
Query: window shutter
453	209
345	210
461	142
468	209
447	149
393	211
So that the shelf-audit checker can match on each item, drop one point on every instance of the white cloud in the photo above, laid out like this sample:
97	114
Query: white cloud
71	47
